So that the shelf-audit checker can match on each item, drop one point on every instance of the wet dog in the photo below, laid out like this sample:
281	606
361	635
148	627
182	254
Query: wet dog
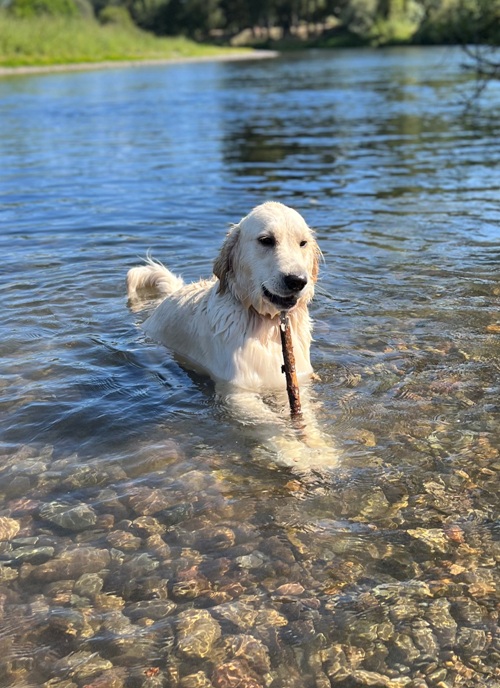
229	326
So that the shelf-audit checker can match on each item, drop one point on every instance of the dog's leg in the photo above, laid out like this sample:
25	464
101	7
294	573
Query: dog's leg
302	450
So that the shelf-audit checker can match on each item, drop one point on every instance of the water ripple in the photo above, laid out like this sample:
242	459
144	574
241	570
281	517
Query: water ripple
141	539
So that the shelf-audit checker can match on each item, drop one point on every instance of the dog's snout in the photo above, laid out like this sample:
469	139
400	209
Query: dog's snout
295	283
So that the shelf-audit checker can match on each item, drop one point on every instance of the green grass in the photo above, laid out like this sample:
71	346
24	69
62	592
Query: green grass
47	41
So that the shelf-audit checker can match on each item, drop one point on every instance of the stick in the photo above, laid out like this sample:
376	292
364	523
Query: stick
292	386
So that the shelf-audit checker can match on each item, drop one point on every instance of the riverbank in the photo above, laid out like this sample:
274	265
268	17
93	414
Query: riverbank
87	66
57	43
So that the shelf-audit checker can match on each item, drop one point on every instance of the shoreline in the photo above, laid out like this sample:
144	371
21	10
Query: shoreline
117	64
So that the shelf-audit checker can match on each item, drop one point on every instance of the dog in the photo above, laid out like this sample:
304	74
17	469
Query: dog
229	326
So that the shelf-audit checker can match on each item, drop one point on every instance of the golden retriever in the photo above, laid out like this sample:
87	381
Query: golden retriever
229	326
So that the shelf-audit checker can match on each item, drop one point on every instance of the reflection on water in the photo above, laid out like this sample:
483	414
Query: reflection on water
140	543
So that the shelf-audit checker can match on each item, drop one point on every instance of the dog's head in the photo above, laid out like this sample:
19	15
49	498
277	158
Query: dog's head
269	260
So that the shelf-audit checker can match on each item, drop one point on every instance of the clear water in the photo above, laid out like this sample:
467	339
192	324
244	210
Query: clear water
393	560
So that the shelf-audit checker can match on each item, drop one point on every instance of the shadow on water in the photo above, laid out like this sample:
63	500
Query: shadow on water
140	542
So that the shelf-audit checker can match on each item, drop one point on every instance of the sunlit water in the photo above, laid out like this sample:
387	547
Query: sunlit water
140	543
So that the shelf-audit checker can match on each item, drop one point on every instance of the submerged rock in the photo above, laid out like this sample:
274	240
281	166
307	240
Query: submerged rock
71	563
34	554
89	584
443	623
197	632
215	538
235	674
70	517
372	678
249	649
9	528
198	680
125	541
146	526
239	613
424	639
145	501
82	665
434	538
150	609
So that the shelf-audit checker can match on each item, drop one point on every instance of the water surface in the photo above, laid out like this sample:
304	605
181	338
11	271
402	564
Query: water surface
140	542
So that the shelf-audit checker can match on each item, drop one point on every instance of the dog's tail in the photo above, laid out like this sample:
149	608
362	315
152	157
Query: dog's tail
152	277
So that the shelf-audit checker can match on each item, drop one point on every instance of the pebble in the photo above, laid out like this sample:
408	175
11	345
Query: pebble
127	542
89	584
251	561
71	563
34	555
150	609
288	589
82	665
425	639
145	526
145	501
197	631
215	539
198	680
252	650
9	528
442	622
435	539
235	674
72	517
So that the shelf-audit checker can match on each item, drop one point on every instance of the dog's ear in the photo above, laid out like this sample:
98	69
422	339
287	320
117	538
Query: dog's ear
317	257
223	264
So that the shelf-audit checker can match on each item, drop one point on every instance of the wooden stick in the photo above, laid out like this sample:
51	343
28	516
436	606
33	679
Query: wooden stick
292	386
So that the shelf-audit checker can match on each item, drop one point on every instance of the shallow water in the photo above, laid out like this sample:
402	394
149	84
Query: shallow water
140	543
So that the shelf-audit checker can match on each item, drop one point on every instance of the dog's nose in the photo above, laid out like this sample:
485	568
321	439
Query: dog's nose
295	282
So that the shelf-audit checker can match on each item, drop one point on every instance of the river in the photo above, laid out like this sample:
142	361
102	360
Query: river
140	542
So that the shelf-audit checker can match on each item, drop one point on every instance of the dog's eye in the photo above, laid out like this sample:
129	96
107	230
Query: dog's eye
303	243
267	241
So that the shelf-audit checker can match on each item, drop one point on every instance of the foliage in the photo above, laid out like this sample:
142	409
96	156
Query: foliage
359	16
112	14
365	21
33	8
195	18
460	21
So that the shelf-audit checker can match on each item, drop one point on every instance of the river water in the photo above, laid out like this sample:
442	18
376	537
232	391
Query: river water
140	543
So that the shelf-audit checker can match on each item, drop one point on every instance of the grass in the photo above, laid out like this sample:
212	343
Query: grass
45	41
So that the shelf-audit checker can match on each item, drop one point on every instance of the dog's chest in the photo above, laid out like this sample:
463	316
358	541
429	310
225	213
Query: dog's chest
258	364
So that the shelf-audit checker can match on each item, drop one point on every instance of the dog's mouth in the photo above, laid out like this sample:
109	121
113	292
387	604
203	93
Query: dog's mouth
282	302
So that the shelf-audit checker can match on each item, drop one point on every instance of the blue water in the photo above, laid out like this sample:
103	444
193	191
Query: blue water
379	152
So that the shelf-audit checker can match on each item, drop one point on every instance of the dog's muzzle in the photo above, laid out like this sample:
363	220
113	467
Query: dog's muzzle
284	303
293	286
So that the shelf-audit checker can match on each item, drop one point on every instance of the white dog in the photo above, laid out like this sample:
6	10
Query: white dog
229	326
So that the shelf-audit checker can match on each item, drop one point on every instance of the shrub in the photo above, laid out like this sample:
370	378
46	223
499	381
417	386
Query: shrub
461	21
33	8
112	14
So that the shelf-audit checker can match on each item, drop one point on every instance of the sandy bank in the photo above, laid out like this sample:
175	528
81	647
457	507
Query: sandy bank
118	64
